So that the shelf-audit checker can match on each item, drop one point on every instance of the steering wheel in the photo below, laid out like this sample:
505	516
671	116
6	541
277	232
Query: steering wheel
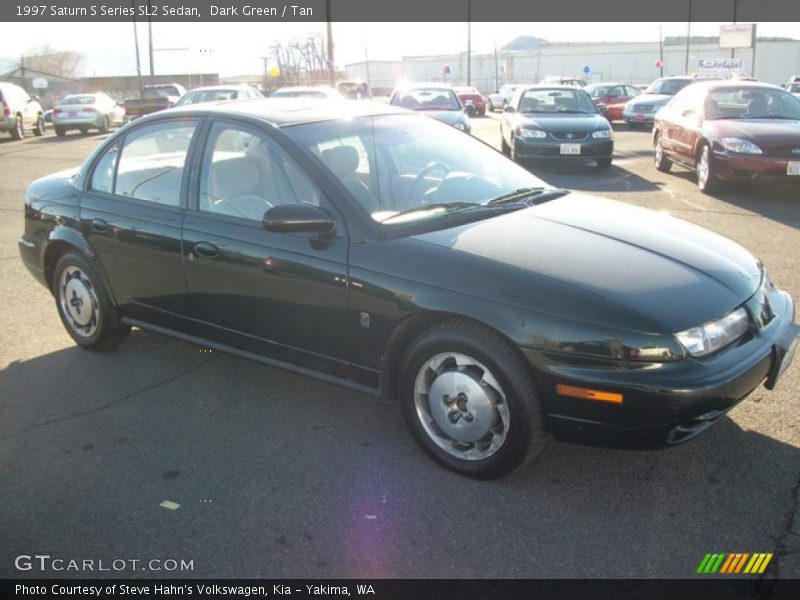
430	168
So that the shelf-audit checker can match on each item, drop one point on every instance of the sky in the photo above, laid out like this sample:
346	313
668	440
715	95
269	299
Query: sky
237	48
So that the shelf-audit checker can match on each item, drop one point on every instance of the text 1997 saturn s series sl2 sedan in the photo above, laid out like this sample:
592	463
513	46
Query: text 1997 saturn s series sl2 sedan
370	246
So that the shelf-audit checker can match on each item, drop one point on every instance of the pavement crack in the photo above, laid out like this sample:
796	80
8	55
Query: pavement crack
770	578
98	409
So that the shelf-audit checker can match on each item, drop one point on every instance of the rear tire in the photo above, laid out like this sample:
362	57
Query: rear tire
663	164
470	401
104	125
84	305
19	128
504	148
60	131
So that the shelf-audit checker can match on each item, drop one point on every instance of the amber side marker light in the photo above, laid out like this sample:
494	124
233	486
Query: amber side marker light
587	394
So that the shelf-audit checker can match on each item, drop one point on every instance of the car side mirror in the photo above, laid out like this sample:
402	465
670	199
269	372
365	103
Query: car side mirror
509	109
603	110
296	218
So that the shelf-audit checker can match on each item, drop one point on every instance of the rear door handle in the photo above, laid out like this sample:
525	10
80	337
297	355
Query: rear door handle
206	249
99	225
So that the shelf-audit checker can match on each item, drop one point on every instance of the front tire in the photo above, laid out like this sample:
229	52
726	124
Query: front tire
704	170
470	401
603	164
84	305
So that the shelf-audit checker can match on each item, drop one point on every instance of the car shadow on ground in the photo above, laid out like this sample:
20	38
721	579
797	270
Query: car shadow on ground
327	483
779	202
585	176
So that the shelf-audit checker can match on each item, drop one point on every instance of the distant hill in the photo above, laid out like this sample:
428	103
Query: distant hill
525	43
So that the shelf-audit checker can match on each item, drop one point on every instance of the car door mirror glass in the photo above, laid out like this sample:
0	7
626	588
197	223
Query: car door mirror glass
297	218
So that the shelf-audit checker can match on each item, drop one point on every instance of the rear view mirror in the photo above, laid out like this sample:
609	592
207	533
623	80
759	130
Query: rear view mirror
295	218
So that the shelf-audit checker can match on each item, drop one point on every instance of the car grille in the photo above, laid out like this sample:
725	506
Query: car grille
792	151
569	136
642	107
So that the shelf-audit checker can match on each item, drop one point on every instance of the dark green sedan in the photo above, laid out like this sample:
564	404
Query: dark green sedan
373	247
556	123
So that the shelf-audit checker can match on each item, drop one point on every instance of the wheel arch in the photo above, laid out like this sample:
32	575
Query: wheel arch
61	240
414	326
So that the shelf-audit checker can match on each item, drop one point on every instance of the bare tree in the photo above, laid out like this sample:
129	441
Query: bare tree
300	61
45	58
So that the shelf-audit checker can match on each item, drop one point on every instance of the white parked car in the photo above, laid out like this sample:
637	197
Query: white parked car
497	100
97	110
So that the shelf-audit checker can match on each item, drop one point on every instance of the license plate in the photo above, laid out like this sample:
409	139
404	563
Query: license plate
793	168
570	148
72	114
640	117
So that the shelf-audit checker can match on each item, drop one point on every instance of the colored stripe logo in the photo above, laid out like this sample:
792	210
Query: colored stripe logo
733	563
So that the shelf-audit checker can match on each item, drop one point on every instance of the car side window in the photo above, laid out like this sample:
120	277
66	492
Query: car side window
104	170
244	173
632	91
152	162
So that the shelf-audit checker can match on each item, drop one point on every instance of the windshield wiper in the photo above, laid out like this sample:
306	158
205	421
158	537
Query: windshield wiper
539	194
429	207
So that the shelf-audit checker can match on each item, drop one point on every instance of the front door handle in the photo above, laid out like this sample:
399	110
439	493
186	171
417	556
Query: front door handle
99	225
206	249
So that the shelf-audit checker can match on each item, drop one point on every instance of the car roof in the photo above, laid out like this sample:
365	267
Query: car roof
607	84
284	112
304	88
733	83
549	86
423	85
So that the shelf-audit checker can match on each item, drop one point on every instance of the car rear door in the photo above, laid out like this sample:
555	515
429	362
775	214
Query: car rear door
282	295
132	213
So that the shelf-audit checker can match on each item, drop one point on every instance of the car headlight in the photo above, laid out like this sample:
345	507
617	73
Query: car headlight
741	146
531	133
460	126
603	134
714	335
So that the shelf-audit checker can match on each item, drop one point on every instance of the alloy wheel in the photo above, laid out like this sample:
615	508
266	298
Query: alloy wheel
78	300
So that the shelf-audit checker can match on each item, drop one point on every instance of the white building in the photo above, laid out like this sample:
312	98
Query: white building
633	62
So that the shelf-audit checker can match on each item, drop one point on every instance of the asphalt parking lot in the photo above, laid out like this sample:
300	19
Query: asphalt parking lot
281	476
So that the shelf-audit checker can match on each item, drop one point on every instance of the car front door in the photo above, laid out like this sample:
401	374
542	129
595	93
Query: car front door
132	213
283	295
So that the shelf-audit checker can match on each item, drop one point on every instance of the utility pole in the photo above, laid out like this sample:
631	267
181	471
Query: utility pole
136	44
469	42
366	61
331	64
661	51
733	50
496	73
688	37
266	81
150	43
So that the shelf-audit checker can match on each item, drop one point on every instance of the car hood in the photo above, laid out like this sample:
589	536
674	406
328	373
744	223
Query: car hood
564	121
650	99
763	131
671	273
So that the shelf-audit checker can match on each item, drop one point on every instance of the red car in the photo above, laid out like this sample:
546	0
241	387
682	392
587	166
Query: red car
730	130
614	96
470	95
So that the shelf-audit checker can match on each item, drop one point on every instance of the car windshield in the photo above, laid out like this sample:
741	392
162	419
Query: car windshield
599	91
751	103
556	101
207	96
78	100
669	87
161	92
412	165
427	99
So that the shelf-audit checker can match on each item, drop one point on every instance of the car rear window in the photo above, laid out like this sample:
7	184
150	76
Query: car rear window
78	100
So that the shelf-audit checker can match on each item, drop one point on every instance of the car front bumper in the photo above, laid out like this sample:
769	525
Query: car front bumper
667	403
550	149
739	167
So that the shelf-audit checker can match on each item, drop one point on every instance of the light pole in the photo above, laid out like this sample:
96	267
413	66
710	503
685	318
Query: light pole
330	64
150	43
688	37
136	44
469	42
